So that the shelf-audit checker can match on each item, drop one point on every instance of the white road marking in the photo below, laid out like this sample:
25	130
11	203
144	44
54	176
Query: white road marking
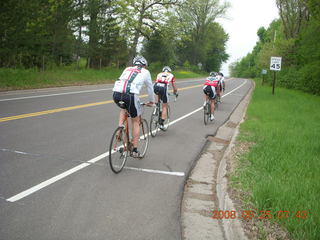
18	152
179	174
96	159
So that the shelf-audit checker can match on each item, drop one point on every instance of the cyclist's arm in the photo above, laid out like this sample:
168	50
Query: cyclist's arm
173	82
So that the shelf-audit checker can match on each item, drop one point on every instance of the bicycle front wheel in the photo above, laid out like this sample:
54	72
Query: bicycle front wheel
154	122
118	150
144	138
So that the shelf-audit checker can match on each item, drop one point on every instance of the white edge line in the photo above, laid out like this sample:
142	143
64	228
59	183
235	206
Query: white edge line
180	174
96	159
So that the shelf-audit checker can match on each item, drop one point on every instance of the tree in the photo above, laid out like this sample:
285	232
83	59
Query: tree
196	19
141	18
294	14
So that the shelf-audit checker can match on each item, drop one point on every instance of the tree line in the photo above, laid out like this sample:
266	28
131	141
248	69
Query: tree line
112	32
295	37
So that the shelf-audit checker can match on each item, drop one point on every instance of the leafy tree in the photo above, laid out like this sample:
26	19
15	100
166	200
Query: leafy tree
294	14
141	18
199	33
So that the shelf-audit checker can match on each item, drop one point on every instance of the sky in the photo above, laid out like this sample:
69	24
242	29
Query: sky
242	21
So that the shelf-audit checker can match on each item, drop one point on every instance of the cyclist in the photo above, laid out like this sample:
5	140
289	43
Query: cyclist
222	83
210	90
125	94
160	88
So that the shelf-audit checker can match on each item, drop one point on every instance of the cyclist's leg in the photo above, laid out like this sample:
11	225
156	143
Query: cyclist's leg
164	111
122	117
135	131
117	98
206	97
165	100
213	95
135	112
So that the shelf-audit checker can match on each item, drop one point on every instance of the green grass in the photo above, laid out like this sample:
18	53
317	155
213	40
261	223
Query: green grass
13	79
281	172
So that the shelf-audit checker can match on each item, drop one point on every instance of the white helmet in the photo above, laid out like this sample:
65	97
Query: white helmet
140	61
166	69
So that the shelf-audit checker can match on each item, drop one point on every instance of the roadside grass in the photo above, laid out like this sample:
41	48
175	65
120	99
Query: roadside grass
15	79
281	171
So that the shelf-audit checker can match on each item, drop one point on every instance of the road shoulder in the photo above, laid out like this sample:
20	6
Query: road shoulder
205	191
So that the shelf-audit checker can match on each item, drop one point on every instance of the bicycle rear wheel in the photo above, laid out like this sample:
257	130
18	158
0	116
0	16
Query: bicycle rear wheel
206	113
144	138
167	121
118	150
154	122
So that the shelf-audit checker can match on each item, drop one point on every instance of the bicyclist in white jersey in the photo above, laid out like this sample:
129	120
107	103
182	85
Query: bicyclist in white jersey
222	83
161	89
126	91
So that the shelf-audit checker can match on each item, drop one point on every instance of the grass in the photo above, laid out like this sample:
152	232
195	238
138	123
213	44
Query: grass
281	172
14	79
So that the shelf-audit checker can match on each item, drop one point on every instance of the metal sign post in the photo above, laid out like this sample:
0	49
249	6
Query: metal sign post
275	65
263	72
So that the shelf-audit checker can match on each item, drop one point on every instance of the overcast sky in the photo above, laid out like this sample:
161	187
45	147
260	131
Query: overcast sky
244	18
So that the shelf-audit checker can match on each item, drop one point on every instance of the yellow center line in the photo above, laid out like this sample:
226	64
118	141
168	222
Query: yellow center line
27	115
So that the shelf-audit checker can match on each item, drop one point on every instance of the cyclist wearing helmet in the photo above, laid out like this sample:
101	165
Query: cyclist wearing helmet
222	84
210	89
125	94
161	89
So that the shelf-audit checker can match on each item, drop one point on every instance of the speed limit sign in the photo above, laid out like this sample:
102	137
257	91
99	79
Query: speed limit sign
275	63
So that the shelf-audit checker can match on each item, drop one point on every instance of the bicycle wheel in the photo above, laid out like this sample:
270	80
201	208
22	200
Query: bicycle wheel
206	114
167	121
216	103
118	150
144	138
154	122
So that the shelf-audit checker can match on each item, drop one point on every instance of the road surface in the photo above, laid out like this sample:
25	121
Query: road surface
55	179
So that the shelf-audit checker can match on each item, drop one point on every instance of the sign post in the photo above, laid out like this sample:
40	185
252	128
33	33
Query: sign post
263	72
275	65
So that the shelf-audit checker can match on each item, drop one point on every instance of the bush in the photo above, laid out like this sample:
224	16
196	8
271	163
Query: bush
310	77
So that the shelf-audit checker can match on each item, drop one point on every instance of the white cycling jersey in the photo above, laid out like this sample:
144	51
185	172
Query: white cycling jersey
132	80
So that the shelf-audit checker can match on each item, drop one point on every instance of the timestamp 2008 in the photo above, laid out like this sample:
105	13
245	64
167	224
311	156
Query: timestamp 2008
263	214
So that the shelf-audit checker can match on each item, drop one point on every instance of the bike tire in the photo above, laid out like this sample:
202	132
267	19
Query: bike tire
206	115
118	150
154	122
144	138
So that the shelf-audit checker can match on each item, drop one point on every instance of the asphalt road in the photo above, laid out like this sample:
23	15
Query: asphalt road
55	181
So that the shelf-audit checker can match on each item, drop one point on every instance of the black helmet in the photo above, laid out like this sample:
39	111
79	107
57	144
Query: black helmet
213	74
166	69
140	61
220	73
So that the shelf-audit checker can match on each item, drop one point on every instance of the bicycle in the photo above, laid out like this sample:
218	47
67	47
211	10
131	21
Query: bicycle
207	111
121	147
156	115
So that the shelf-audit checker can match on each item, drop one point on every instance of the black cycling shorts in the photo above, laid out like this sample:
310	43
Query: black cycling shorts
208	90
161	89
128	101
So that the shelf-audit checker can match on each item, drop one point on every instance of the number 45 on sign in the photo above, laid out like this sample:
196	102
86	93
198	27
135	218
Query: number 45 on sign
275	63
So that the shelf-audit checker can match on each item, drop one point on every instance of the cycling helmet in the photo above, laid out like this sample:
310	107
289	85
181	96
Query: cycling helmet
220	73
140	61
166	69
213	74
